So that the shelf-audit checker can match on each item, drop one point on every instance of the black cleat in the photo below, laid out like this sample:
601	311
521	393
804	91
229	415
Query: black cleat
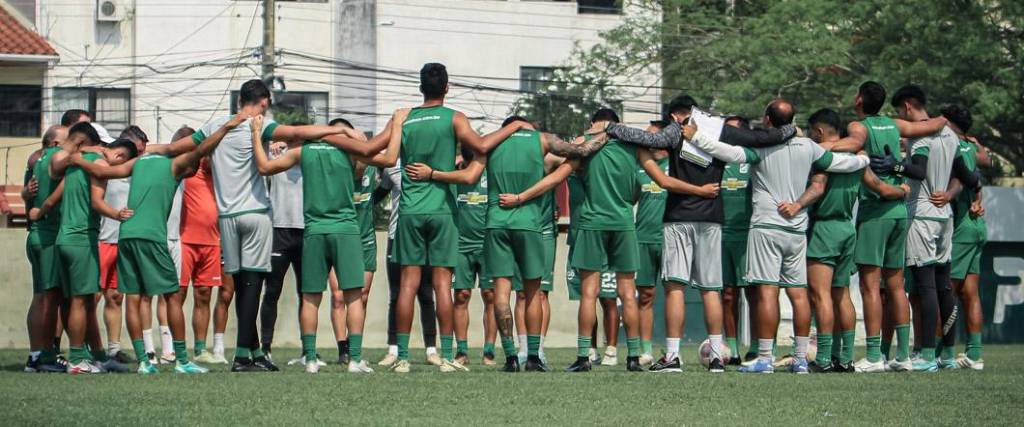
633	364
749	356
462	358
489	355
245	365
343	359
734	361
814	367
664	365
32	365
152	358
534	364
841	368
511	364
265	364
582	364
716	366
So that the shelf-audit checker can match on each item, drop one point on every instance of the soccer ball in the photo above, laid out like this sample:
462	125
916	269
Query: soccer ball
704	352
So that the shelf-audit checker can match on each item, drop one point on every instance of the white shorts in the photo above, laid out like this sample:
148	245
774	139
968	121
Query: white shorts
776	257
692	254
929	242
246	242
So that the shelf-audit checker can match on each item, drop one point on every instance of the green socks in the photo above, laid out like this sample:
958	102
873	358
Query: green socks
928	354
403	346
77	354
461	346
242	353
874	345
200	347
734	350
508	345
633	346
846	356
355	347
947	353
582	346
489	348
180	352
973	351
902	342
824	349
140	350
309	346
447	350
837	347
99	356
257	353
533	345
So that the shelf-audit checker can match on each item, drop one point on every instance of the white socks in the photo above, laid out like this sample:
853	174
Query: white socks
430	350
540	352
801	347
716	346
522	345
671	348
166	342
393	350
218	344
147	340
764	349
113	347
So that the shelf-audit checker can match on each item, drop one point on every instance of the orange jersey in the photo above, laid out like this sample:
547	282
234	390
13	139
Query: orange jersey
199	209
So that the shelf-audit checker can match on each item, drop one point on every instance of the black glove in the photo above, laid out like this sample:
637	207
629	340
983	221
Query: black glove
886	164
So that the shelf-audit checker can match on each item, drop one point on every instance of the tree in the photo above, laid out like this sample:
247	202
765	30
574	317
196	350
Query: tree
564	105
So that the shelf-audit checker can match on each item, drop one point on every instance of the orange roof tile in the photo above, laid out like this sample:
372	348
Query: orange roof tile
15	39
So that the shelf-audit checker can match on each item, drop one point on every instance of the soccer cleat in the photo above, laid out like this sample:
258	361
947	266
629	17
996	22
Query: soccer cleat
582	364
665	365
734	361
827	368
245	365
96	366
750	356
168	359
83	367
400	367
189	368
265	363
219	358
152	358
146	368
458	366
53	368
388	360
900	366
446	367
593	356
312	367
716	366
112	365
865	366
434	359
301	360
967	363
947	364
842	368
511	364
489	359
206	357
522	358
535	364
633	364
32	365
761	366
611	357
646	359
343	359
359	368
462	358
123	357
799	365
921	365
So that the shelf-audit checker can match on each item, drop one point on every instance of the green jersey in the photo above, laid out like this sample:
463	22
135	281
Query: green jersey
736	201
547	213
428	137
151	196
576	197
472	215
610	187
513	167
965	228
47	227
841	194
79	223
327	189
651	207
882	134
364	203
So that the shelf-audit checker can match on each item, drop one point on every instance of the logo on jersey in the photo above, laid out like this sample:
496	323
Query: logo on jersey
473	198
421	119
360	198
652	188
483	181
366	180
733	184
744	168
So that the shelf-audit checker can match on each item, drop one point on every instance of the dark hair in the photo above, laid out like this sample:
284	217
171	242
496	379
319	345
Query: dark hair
681	103
467	153
126	144
86	129
660	124
513	119
959	116
605	114
182	132
914	93
433	80
253	91
134	133
339	120
826	117
744	122
872	97
50	134
73	116
780	112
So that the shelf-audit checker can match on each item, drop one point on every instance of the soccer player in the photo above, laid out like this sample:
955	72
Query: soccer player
41	250
736	205
777	242
426	234
832	238
649	210
933	161
881	225
243	208
969	235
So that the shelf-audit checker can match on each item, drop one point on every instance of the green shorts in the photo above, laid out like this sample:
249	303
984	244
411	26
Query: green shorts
649	273
881	243
43	259
321	252
369	255
606	251
79	269
966	259
734	261
469	270
832	243
609	288
426	240
506	251
145	267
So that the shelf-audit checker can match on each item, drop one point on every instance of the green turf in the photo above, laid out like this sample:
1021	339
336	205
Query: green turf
608	396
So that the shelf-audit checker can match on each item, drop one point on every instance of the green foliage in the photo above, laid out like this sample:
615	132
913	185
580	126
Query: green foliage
564	105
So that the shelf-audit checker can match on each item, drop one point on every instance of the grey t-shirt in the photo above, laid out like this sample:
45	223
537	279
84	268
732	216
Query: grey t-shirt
779	174
237	184
286	198
392	180
941	149
174	217
116	197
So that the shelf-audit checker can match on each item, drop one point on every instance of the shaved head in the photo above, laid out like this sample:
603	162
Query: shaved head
779	113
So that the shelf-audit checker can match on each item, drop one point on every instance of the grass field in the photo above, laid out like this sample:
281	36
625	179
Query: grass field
608	396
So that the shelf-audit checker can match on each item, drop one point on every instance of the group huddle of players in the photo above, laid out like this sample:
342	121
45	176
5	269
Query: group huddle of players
733	212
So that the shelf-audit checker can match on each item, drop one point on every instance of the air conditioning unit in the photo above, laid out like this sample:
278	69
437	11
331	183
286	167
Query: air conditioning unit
110	11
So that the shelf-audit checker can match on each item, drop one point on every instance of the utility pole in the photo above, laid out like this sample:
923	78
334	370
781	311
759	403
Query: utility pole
268	40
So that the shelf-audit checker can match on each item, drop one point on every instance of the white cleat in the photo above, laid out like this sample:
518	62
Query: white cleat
594	357
312	367
218	358
400	367
898	366
83	367
168	359
435	359
301	360
388	361
967	363
646	359
458	366
611	357
359	368
866	366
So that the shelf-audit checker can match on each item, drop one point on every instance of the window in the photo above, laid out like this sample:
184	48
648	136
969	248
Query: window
109	107
295	107
605	7
21	110
535	79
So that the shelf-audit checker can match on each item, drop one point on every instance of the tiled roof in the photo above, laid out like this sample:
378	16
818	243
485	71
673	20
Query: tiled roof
15	39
